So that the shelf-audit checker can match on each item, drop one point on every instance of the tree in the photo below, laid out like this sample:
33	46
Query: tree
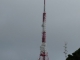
75	55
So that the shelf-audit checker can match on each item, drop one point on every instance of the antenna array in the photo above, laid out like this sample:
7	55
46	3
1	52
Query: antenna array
65	50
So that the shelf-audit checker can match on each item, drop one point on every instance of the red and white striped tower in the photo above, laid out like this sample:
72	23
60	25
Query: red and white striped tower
43	52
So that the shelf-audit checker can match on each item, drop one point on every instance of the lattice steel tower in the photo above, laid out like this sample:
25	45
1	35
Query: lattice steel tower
65	50
43	52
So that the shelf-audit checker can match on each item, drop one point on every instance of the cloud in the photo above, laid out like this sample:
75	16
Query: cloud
21	31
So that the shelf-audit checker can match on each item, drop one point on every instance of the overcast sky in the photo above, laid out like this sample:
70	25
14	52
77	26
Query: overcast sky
20	28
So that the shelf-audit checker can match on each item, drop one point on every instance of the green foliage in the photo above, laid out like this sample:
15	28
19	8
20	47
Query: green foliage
75	55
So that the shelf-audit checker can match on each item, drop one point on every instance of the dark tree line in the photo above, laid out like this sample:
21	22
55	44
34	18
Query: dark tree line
75	55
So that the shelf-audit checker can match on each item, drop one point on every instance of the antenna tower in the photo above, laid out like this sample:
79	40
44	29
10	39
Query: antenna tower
43	52
65	50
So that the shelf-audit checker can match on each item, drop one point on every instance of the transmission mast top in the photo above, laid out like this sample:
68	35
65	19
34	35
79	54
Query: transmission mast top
65	50
43	52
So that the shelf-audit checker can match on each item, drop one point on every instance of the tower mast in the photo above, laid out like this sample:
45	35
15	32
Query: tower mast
65	50
43	52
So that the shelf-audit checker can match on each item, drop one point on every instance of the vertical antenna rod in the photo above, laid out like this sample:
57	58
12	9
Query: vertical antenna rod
43	53
44	5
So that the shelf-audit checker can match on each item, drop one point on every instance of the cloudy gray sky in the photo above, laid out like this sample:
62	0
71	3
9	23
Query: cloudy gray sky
20	28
